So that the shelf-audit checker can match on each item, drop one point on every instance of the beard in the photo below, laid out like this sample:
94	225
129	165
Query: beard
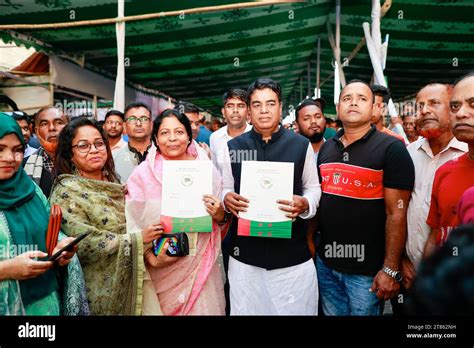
316	137
114	136
49	146
431	133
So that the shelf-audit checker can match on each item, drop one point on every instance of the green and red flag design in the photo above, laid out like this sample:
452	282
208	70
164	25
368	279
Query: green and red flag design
195	224
249	228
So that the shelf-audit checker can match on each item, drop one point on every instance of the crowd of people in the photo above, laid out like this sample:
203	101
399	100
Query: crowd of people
377	214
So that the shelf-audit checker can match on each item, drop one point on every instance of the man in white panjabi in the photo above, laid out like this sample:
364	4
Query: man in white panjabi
272	276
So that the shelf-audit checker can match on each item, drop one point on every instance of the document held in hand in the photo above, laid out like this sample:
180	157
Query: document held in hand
184	184
263	183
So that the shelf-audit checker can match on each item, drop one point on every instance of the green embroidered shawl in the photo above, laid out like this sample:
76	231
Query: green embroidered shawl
111	258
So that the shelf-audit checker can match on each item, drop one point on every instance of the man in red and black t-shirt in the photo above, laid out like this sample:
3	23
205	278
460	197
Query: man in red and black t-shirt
456	176
366	178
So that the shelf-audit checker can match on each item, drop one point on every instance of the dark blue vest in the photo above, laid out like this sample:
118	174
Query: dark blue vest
270	253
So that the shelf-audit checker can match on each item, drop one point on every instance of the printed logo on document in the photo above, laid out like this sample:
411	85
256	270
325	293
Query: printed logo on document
187	180
266	183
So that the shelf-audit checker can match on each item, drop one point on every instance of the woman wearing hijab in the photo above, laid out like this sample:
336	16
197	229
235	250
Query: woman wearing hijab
28	284
186	285
92	199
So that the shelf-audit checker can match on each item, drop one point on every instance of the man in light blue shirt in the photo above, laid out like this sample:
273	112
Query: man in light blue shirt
204	133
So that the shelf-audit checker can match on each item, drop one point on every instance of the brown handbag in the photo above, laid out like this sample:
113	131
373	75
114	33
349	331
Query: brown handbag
54	226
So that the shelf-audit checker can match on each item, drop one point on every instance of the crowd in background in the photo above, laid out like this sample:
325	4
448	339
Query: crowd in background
380	210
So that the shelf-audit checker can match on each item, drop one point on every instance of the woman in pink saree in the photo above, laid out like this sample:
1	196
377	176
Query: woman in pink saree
189	285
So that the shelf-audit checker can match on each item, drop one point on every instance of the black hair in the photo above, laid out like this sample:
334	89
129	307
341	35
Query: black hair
135	105
20	116
339	123
235	93
182	118
63	158
358	81
445	280
319	102
381	91
115	113
183	107
469	74
264	82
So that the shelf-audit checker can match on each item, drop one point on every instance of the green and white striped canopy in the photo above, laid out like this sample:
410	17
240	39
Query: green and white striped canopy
196	57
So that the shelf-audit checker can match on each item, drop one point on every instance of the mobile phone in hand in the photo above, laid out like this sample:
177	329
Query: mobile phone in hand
173	248
68	247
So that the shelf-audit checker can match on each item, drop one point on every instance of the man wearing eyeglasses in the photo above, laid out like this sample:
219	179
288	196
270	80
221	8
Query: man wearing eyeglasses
139	126
113	126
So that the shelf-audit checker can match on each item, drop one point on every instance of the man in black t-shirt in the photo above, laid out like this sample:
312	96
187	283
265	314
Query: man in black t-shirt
366	178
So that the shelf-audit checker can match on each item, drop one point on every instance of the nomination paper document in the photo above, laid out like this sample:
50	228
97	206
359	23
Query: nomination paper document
184	184
263	183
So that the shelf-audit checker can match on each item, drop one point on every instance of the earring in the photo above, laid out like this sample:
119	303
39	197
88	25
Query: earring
105	172
76	171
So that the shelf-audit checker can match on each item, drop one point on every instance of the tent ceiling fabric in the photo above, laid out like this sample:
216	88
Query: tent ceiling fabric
425	37
198	57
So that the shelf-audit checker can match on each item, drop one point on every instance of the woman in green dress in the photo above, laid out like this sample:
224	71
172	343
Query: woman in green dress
29	284
93	200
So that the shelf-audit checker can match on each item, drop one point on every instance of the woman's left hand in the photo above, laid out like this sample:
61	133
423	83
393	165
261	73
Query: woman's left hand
214	207
66	256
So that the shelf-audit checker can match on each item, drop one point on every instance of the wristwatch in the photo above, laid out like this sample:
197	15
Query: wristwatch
397	275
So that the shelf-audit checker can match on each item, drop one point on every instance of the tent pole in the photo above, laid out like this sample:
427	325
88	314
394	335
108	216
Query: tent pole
337	83
336	50
119	93
147	16
317	93
95	107
13	76
309	79
301	89
51	90
376	58
385	7
376	33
